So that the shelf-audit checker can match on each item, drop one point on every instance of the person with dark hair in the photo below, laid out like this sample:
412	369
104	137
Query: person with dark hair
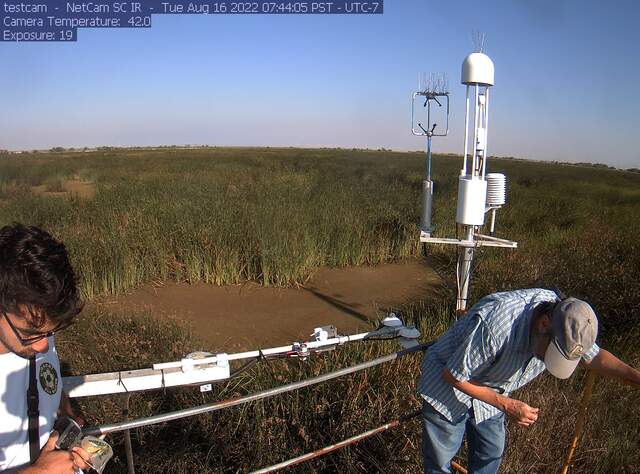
38	298
503	342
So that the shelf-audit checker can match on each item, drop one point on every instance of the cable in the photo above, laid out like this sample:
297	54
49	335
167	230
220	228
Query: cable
381	338
243	368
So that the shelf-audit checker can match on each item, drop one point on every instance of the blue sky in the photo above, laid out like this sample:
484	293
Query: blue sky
566	80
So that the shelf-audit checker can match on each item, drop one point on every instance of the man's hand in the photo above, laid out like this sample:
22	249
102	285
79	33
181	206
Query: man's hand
520	411
51	461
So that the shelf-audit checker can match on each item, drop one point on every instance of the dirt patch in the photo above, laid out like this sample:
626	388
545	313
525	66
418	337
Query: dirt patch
66	188
250	315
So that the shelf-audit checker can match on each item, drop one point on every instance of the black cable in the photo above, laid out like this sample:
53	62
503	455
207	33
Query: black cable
243	368
391	338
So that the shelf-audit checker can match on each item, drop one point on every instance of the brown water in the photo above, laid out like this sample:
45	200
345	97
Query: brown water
249	315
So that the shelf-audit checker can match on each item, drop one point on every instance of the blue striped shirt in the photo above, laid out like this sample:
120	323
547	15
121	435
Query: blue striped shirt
489	345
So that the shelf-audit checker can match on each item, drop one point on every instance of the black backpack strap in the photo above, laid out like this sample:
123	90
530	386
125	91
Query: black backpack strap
559	293
33	411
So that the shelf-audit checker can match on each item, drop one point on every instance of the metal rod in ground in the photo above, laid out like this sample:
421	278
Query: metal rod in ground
465	261
127	437
582	417
176	415
347	442
334	447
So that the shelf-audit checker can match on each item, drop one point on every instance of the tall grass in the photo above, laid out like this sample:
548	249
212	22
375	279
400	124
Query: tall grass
219	216
273	215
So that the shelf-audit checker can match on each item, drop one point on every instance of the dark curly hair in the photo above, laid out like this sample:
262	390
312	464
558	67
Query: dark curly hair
35	273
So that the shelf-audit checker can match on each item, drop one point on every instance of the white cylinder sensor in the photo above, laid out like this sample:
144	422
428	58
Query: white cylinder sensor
472	197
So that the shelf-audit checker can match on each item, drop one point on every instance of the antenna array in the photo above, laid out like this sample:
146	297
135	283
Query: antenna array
479	39
433	84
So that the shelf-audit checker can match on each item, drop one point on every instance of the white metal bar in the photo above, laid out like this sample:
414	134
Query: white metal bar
495	239
413	106
190	371
489	242
466	134
464	278
493	220
486	131
279	350
138	380
475	132
424	237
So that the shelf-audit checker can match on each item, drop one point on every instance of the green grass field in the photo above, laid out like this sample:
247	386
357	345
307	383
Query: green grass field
273	215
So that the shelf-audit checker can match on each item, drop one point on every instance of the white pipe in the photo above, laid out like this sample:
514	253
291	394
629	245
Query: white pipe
192	371
464	277
486	131
141	380
493	220
279	350
466	135
475	132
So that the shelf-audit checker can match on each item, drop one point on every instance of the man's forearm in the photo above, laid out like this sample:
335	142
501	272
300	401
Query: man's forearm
608	365
523	414
479	392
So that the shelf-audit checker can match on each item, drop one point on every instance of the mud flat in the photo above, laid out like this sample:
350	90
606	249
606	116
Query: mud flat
250	315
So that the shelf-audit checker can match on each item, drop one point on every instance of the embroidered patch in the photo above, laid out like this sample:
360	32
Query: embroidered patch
48	378
576	352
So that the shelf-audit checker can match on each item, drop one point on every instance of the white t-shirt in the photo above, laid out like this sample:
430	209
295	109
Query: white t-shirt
14	422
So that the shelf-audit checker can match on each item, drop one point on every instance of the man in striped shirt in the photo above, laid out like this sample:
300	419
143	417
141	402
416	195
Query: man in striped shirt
503	342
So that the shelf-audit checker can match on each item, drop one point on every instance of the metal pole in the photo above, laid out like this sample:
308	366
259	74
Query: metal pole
428	117
427	193
429	157
486	131
493	222
475	132
413	113
127	437
464	278
176	415
334	447
279	350
466	134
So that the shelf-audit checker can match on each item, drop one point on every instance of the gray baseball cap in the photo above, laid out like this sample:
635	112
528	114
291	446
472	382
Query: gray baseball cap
574	327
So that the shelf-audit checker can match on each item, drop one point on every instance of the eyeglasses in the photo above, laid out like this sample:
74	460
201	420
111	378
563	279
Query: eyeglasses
27	341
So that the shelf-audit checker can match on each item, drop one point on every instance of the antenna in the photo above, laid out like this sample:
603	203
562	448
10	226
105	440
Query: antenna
433	91
479	39
433	84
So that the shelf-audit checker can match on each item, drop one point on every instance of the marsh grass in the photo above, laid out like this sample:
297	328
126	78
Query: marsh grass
219	216
273	215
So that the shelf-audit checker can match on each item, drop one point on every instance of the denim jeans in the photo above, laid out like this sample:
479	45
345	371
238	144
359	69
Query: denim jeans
442	439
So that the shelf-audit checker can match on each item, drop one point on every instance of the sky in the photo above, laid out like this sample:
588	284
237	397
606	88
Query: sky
565	82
